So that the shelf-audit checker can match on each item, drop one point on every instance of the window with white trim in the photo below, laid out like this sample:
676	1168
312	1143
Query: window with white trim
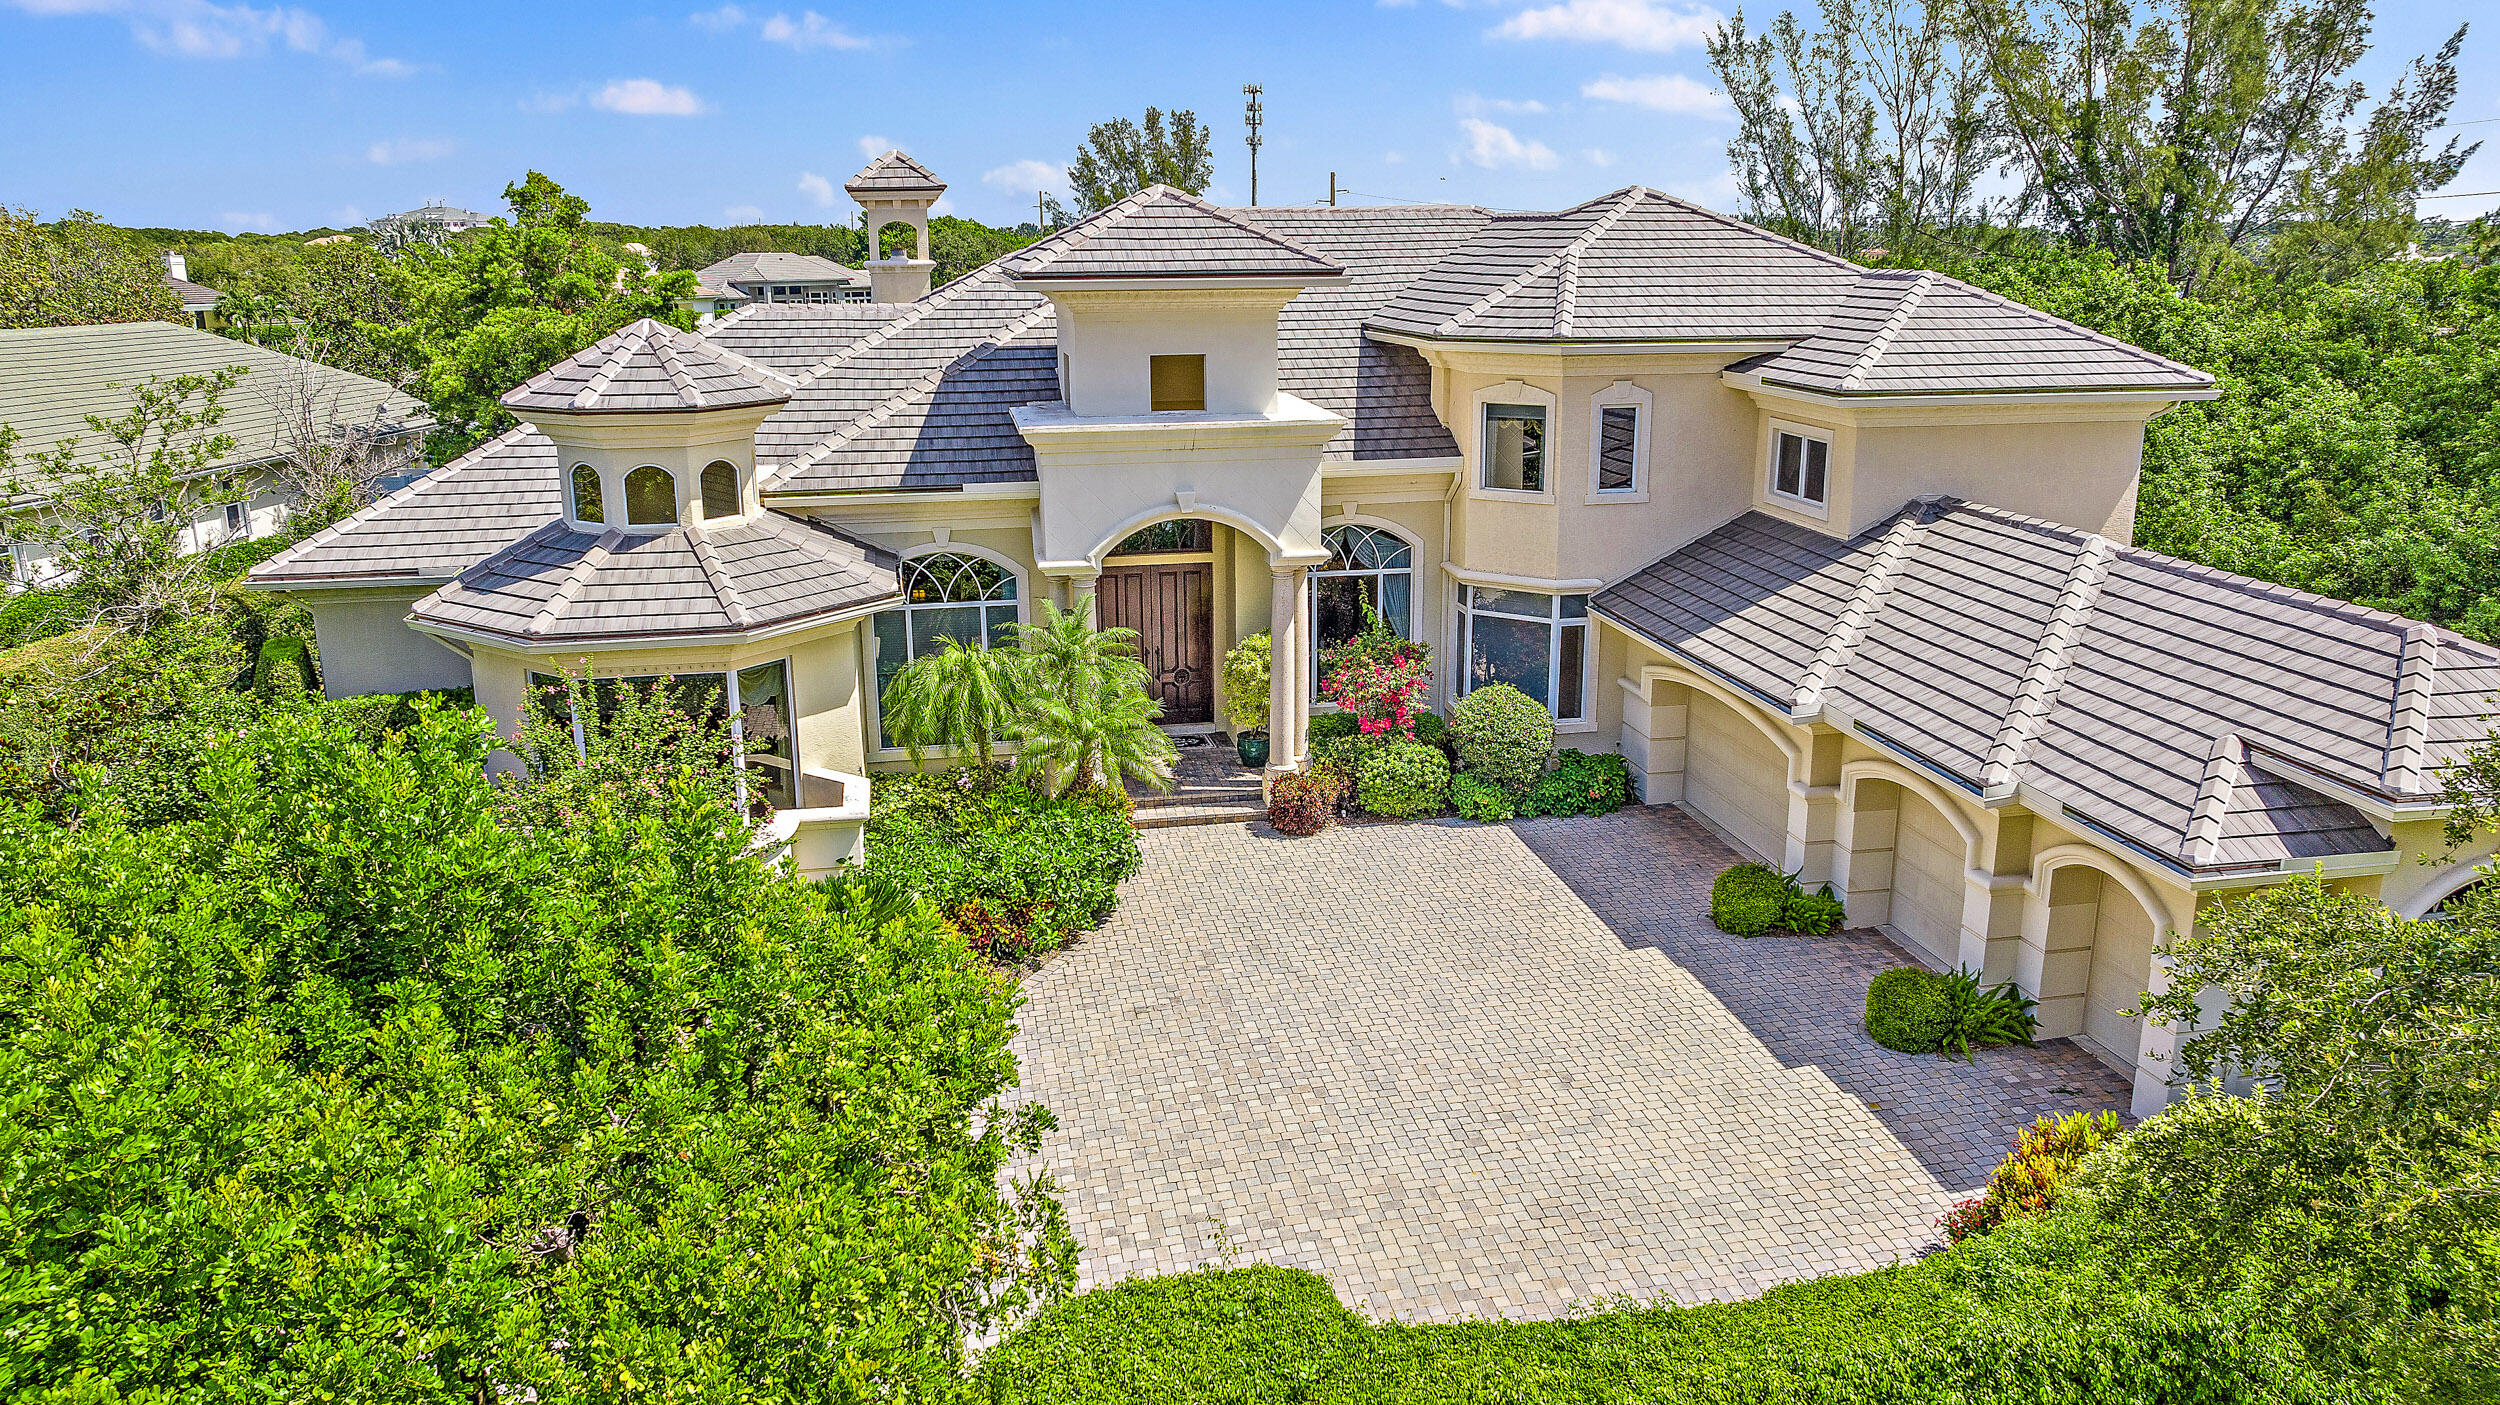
946	595
1370	572
1618	448
1801	468
650	497
1513	448
1535	642
752	704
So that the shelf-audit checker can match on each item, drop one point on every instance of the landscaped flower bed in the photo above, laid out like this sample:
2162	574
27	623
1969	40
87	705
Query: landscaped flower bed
1493	762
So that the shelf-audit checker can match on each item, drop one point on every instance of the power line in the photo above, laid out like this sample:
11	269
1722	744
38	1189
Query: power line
2458	195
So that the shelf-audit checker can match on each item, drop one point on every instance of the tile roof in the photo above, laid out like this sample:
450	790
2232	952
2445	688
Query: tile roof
558	585
194	297
1635	265
779	268
1912	330
52	378
649	367
436	527
1160	232
2172	706
893	174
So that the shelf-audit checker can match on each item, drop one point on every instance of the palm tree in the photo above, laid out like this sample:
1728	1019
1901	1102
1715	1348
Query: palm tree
1088	719
958	698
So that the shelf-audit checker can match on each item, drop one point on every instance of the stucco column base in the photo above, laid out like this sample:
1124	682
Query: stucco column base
1655	722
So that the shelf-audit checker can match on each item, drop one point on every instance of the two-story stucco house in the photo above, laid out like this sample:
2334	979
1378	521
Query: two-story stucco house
1837	557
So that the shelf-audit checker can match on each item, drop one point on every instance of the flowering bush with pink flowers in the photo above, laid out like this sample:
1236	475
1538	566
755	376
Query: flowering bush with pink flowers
1377	677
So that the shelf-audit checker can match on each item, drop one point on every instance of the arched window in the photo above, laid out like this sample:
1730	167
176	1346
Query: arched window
1369	572
948	595
650	497
586	504
720	489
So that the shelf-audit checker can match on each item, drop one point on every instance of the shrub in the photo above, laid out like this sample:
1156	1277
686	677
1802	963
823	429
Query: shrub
1045	866
2031	1178
285	666
1748	900
1503	736
1377	675
567	1105
1305	803
1432	731
1246	683
1906	1010
1581	783
1403	780
1998	1015
1815	914
1333	726
1338	742
1478	799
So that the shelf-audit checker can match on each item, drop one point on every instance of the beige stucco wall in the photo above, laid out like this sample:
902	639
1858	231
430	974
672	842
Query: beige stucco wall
2082	473
367	647
1106	340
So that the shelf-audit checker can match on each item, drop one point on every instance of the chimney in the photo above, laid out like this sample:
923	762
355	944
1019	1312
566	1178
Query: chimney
176	266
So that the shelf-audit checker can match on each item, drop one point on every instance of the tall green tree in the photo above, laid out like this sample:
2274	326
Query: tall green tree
2188	131
497	305
1088	719
1121	157
77	272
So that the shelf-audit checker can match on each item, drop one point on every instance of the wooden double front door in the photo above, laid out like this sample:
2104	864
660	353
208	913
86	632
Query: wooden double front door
1172	609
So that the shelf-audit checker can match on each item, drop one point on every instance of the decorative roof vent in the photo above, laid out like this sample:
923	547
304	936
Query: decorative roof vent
895	189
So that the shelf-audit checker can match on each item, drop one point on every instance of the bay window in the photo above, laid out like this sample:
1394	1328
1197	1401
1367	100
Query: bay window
1535	642
753	702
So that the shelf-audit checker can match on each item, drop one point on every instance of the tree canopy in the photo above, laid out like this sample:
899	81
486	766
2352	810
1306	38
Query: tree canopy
77	272
1121	157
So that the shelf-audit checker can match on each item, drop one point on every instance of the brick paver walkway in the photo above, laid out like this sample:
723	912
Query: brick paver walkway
1468	1072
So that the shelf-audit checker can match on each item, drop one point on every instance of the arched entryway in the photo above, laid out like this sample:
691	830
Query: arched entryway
1907	861
2101	938
1160	581
1736	777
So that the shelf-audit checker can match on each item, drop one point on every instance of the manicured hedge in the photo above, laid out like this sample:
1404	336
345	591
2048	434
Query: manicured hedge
1750	899
1502	736
1038	869
1478	799
1581	783
1403	780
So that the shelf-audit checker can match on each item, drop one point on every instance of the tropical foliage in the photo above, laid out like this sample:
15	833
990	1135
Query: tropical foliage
2032	1177
1087	718
1121	157
1017	870
959	698
1377	676
78	272
1246	683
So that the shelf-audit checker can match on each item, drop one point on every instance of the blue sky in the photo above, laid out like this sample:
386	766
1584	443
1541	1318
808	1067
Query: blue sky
194	113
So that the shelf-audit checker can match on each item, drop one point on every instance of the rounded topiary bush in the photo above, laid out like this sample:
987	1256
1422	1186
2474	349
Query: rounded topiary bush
1503	736
1305	803
1907	1010
1403	780
1747	900
1480	800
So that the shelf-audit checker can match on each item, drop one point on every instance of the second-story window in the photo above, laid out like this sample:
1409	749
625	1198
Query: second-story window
1801	468
1514	448
1618	442
720	489
586	504
1178	382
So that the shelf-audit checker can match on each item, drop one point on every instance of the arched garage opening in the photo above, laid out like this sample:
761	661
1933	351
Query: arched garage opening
1736	777
1906	863
2100	942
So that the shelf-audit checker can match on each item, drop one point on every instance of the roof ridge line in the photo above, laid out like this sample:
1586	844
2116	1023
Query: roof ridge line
1849	626
2045	674
1535	270
1085	229
1567	291
588	396
915	390
921	310
2225	769
2408	723
1878	344
1247	226
674	362
574	579
716	572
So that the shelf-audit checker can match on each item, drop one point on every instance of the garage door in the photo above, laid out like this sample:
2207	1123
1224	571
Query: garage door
1736	777
2122	965
1927	880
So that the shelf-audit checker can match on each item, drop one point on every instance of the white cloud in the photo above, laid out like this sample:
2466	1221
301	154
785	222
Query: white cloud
1659	92
1026	176
262	221
200	29
348	217
873	147
402	150
743	214
720	21
1492	146
1630	24
943	205
1599	157
1392	158
1476	103
809	31
816	187
647	97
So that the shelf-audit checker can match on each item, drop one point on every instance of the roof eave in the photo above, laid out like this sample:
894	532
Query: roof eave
1183	282
2116	395
594	643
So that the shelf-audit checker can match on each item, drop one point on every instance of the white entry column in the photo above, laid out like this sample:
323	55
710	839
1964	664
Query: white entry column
1284	669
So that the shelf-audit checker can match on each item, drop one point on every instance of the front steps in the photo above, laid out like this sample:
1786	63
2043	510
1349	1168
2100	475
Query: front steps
1209	786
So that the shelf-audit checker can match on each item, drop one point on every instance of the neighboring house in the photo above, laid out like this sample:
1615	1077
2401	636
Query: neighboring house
52	378
740	279
199	303
449	219
1837	557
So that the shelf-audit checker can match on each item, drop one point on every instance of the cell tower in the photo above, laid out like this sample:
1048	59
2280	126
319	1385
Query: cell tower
1251	115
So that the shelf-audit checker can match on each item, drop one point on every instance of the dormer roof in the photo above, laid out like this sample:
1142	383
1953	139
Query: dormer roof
649	367
894	176
1163	233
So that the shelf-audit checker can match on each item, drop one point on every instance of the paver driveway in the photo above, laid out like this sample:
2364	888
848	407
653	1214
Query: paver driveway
1466	1072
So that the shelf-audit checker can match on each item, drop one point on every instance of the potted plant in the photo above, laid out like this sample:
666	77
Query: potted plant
1245	698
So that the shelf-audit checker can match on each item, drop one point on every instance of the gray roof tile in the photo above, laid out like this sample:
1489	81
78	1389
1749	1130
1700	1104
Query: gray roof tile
436	527
1160	232
649	367
778	268
893	174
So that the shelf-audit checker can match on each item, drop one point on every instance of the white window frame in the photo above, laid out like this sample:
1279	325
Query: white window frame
1511	393
870	647
1621	395
1414	587
1797	502
1555	622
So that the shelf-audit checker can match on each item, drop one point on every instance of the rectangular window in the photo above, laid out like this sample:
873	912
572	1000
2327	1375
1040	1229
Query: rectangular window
1179	382
1618	430
238	517
1801	468
1536	643
1514	448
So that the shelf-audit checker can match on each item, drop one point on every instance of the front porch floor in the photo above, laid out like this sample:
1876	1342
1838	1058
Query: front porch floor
1474	1071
